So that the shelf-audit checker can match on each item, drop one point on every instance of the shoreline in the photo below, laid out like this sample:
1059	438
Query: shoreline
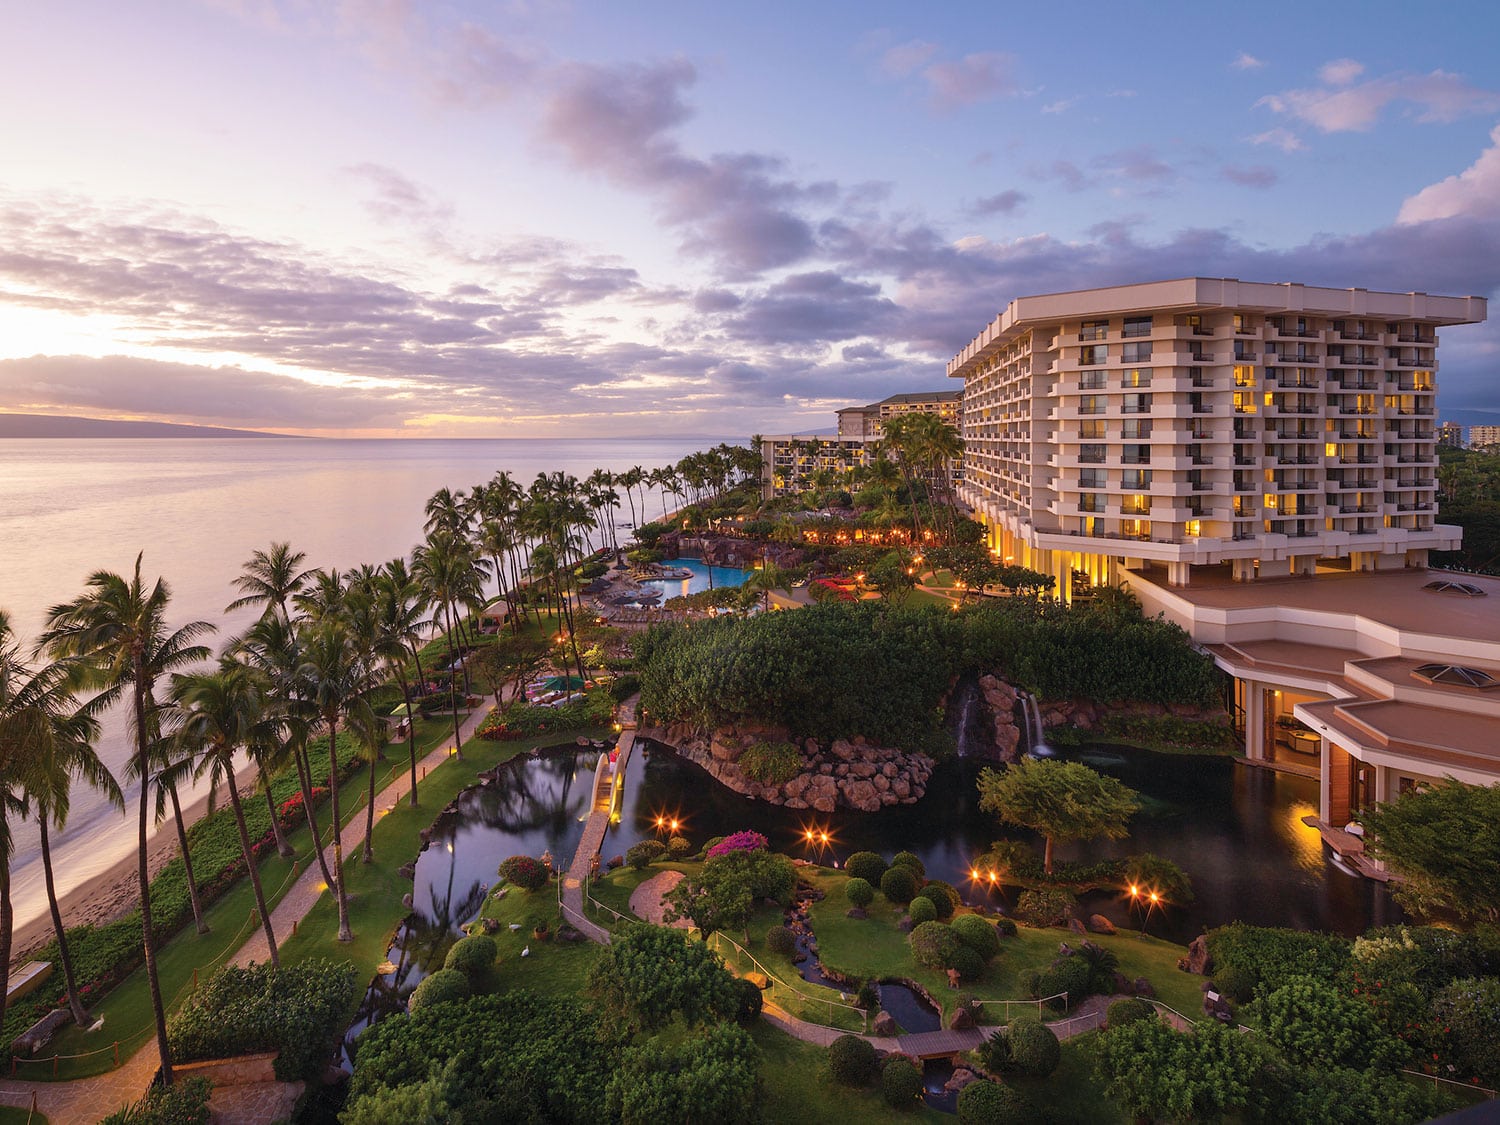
115	891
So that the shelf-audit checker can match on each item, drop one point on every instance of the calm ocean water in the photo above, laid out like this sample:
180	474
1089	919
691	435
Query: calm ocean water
198	508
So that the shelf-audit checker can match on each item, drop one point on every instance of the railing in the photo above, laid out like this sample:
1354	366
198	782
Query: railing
839	1015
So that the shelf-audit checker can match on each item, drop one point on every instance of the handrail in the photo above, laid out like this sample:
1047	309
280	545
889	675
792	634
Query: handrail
797	992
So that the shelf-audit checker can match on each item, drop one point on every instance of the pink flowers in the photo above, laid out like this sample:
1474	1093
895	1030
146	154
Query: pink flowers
743	841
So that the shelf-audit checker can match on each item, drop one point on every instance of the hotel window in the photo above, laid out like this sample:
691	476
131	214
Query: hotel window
1091	404
1090	502
1244	376
1091	381
1137	377
1093	478
1093	330
1242	323
1090	354
1136	479
1136	505
1135	529
1244	402
1091	454
1137	326
1135	454
1136	404
1135	353
1193	528
1134	429
1093	430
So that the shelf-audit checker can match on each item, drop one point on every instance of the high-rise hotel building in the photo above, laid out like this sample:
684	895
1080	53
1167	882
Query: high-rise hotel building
1207	422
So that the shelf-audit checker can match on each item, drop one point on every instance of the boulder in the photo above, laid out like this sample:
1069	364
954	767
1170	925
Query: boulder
905	924
1143	988
615	861
961	1020
1099	924
862	796
881	782
885	1025
1197	959
1076	926
962	1077
842	749
862	769
856	913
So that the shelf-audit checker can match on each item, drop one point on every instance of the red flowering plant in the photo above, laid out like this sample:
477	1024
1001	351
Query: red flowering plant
527	873
742	841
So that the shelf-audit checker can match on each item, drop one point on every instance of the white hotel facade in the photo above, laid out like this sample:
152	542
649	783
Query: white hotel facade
1258	462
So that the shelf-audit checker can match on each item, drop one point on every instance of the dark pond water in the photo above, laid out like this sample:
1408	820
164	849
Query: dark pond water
1237	831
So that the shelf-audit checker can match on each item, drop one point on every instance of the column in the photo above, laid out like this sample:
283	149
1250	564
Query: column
1255	721
1338	783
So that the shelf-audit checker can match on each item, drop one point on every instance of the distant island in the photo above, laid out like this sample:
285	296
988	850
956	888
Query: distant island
68	426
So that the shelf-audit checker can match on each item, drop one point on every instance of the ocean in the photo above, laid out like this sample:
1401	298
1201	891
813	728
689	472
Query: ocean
197	508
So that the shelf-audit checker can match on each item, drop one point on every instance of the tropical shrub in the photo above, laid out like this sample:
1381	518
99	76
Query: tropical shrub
1069	975
298	1010
1125	1010
942	898
901	1084
523	871
185	1102
640	856
1467	1012
781	941
1315	1023
859	893
1102	964
1049	906
978	934
744	841
443	987
933	945
679	847
921	910
1269	955
867	866
899	885
851	1060
771	763
992	1103
713	1076
912	860
966	961
474	956
1032	1046
1005	927
648	975
748	1001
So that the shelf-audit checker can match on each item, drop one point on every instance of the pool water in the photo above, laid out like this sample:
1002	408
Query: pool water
680	587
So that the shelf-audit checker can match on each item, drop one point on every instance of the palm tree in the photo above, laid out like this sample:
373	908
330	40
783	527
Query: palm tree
270	578
450	575
216	714
333	681
118	629
399	616
171	771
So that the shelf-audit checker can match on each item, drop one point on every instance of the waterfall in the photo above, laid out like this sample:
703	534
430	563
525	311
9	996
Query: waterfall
1039	747
968	697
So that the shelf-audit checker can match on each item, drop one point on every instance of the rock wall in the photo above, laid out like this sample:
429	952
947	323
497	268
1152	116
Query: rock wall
1000	702
1085	714
724	550
848	773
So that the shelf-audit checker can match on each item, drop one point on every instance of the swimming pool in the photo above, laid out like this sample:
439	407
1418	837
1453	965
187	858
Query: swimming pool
678	587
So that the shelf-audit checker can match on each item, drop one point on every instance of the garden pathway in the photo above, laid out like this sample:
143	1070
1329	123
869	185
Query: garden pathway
593	836
90	1099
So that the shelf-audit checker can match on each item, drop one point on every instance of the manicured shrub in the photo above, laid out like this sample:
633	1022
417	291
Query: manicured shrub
1235	982
977	934
1125	1010
1068	975
1005	927
641	856
859	893
922	910
781	941
679	848
298	1010
932	945
527	873
442	987
992	1103
185	1102
912	860
899	885
1047	907
966	962
1034	1049
851	1060
748	1001
771	763
867	866
742	841
948	891
474	956
1268	955
942	907
901	1084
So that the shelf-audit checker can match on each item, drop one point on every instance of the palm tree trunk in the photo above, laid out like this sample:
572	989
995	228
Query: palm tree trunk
369	856
187	860
75	1002
249	853
7	930
458	745
148	935
1047	857
283	848
345	933
304	778
411	730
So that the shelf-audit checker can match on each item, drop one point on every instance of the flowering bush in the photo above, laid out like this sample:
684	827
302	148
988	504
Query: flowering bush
744	841
290	809
527	873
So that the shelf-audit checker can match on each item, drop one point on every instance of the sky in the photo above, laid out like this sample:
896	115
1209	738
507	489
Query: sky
379	218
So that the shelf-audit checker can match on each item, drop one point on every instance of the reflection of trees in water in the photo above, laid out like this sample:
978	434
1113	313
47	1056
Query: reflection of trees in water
537	795
419	950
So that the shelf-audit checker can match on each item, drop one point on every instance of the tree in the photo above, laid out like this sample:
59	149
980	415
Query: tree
893	576
1444	841
709	1077
1152	1071
217	714
1061	800
723	895
270	579
649	974
117	628
1316	1023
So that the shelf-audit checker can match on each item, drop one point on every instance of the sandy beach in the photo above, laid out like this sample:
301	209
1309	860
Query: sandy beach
114	893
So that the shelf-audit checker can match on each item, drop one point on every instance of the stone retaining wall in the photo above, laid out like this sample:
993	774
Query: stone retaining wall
241	1070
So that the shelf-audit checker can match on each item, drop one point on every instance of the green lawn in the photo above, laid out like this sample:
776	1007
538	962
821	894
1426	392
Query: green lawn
799	1090
15	1115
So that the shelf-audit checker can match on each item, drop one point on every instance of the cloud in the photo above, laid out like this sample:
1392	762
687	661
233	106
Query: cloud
813	308
906	58
1340	72
1474	192
1284	139
1004	203
1246	61
1249	175
395	198
1338	106
859	353
970	80
1061	106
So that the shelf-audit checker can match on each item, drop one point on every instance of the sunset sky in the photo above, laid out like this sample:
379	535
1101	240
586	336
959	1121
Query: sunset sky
380	218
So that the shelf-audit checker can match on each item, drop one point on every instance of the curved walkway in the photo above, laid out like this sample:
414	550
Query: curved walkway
90	1099
593	837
